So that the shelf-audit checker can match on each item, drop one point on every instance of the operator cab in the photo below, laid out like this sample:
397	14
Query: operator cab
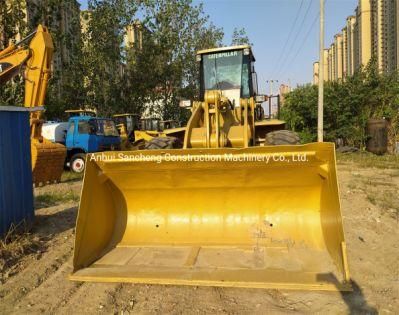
230	70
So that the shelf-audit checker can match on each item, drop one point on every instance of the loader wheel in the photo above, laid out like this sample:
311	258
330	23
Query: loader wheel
77	164
159	143
282	137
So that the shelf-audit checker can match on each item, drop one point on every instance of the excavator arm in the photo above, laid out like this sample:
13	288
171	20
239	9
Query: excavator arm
37	62
34	54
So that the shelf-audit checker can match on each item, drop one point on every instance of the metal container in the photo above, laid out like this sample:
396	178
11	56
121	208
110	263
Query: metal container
16	189
377	136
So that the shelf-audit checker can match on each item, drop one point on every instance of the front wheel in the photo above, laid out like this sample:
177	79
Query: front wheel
78	162
282	137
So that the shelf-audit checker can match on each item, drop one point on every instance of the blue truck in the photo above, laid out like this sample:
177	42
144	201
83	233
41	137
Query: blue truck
83	134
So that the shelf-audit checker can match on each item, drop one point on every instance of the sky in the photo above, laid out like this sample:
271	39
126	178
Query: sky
284	33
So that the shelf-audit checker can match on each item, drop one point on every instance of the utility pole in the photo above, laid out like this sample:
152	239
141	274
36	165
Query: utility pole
271	95
321	77
271	85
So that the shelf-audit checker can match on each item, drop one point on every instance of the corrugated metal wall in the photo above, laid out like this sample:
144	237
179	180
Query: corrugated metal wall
16	189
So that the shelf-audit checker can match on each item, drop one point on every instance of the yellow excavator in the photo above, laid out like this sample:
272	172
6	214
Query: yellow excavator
34	53
241	205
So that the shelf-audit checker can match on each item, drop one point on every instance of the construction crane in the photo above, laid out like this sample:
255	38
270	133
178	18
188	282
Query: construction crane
33	55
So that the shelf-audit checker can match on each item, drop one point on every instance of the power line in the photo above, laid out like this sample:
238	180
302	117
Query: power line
295	39
303	43
288	38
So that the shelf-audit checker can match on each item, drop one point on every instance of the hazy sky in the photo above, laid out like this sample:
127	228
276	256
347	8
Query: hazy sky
270	22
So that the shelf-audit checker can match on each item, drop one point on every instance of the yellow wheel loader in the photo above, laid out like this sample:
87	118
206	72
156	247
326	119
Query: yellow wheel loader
148	133
47	157
228	209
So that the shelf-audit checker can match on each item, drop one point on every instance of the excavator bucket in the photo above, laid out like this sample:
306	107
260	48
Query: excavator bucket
48	161
260	217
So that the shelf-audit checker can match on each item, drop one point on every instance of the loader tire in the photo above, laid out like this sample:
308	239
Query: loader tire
282	137
160	143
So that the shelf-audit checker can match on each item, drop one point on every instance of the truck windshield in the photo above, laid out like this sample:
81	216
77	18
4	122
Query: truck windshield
106	128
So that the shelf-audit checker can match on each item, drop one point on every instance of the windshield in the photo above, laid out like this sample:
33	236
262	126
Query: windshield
106	128
222	71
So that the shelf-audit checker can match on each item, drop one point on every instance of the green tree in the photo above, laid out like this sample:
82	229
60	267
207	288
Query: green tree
178	29
11	24
348	105
240	37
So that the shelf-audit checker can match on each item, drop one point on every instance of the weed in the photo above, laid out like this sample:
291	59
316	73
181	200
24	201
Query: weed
50	199
367	159
15	245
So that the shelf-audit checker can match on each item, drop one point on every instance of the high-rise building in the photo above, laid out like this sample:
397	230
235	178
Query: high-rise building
325	74
330	63
338	56
363	19
373	32
134	35
344	52
350	26
333	63
316	72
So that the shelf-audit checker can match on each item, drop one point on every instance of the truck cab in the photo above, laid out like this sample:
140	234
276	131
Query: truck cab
88	134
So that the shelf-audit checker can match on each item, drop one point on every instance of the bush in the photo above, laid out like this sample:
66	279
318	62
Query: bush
347	106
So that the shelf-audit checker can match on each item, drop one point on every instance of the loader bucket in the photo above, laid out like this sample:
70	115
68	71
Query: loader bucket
262	217
48	161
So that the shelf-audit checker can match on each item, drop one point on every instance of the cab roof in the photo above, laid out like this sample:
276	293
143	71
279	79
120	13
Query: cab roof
228	48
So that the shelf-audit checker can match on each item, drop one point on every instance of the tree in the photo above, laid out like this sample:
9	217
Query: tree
11	24
347	106
102	54
240	37
178	29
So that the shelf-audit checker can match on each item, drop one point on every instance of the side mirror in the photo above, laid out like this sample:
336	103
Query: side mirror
261	98
185	103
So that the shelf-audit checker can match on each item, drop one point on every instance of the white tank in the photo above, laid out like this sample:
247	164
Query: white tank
55	131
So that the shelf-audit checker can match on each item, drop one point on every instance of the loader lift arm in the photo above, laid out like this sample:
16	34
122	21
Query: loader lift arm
36	58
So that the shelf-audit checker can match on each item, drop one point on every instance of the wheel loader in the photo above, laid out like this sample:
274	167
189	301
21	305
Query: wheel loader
228	209
148	133
34	53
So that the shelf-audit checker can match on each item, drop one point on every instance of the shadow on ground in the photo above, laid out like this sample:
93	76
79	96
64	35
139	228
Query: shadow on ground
354	300
49	225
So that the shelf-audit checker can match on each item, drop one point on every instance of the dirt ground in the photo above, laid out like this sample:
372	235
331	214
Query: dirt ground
36	281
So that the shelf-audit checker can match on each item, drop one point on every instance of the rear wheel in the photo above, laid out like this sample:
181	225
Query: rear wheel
159	143
282	137
77	164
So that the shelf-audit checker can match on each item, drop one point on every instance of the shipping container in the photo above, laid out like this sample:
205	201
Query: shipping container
16	189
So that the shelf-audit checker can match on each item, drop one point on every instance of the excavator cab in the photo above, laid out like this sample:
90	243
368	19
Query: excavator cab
222	211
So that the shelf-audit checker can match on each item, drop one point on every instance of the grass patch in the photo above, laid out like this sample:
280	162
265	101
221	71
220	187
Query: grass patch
367	159
54	198
68	176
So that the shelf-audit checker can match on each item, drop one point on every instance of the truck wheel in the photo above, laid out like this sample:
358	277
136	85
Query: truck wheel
282	137
159	143
77	164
